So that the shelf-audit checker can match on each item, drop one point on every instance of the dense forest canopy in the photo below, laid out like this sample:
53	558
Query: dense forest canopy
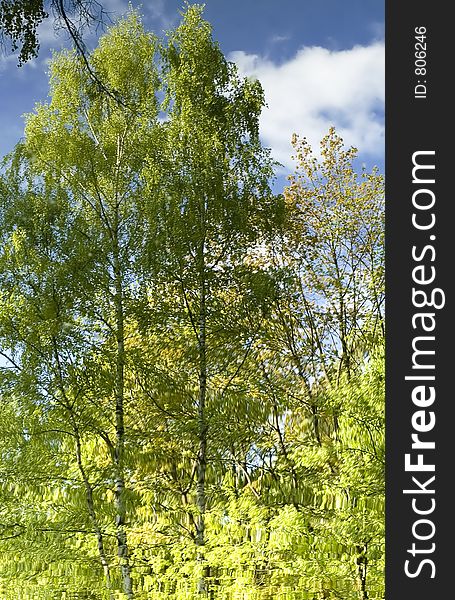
191	366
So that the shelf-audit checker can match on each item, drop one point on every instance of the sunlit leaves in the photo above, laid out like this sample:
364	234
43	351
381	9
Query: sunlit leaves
168	323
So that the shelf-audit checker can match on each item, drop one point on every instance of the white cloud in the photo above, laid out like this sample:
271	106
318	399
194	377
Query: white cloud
319	88
52	32
156	11
377	28
277	39
48	33
115	6
7	61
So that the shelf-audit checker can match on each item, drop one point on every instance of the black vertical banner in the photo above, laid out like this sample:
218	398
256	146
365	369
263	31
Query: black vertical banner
420	251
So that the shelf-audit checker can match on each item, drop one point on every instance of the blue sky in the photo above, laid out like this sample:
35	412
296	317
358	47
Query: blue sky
321	63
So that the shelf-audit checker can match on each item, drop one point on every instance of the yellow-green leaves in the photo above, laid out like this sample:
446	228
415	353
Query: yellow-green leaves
190	392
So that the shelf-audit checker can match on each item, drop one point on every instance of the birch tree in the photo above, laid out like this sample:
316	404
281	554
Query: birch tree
91	147
214	176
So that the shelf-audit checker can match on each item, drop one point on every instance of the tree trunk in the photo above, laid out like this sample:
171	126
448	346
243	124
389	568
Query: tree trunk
362	564
119	492
85	479
92	513
202	430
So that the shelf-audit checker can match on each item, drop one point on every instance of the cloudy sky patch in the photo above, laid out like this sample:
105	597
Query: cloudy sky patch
318	88
320	63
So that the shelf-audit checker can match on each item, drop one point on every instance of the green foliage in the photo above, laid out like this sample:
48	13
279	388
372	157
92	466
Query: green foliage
191	369
19	20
